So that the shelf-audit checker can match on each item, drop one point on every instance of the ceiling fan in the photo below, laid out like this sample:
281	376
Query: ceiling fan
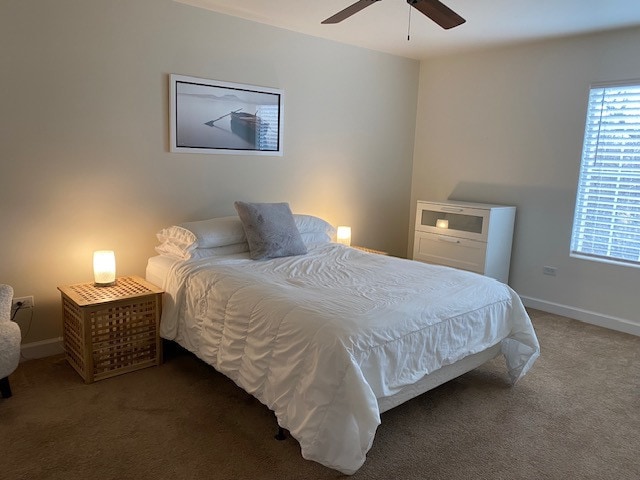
436	11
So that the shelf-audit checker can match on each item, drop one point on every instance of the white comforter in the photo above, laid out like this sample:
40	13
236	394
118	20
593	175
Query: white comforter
318	338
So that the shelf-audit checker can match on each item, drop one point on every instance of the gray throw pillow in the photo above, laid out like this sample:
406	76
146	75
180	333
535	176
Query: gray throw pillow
270	229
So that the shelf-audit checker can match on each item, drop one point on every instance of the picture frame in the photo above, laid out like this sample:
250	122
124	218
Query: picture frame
217	117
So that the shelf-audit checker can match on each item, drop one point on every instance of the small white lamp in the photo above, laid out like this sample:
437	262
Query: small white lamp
343	235
442	223
104	268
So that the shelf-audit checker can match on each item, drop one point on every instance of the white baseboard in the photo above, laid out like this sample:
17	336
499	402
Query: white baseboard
594	318
45	348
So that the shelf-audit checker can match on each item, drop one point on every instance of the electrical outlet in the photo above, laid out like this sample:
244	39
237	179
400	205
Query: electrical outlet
549	270
26	302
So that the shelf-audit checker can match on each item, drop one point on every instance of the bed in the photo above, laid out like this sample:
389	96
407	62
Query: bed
331	338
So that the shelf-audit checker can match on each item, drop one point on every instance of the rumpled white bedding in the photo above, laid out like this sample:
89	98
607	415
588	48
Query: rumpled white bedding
318	338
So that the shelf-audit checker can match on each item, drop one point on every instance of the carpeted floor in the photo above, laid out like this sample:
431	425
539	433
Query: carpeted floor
576	415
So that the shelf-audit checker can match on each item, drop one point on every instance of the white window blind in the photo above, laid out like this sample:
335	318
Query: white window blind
607	216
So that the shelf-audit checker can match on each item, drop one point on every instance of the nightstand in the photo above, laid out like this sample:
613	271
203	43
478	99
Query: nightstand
109	331
369	250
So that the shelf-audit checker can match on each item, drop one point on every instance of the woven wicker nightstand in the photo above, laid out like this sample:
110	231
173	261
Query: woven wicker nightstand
112	330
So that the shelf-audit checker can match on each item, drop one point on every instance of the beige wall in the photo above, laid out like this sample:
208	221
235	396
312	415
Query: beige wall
506	126
84	136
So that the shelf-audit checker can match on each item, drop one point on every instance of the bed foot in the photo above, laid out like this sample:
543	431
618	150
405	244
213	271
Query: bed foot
280	435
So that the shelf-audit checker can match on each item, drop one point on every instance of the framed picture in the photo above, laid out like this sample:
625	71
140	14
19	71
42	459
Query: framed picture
208	116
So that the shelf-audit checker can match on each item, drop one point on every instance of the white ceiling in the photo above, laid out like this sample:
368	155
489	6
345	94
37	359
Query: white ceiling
383	26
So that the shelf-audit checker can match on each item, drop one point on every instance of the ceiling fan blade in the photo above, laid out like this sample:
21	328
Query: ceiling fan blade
438	12
350	10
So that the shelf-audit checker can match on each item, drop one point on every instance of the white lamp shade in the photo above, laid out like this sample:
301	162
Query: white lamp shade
343	235
104	267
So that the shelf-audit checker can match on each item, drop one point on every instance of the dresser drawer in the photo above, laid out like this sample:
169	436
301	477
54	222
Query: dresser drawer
455	220
450	251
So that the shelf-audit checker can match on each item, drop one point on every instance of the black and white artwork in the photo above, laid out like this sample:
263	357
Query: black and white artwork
209	116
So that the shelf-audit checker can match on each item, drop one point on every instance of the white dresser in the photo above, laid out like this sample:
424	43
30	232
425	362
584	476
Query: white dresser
470	236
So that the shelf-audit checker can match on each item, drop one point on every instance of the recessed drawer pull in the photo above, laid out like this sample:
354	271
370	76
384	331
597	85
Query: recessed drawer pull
448	239
450	209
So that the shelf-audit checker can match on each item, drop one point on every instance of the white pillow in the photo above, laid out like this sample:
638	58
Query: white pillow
315	237
177	238
170	251
182	240
218	251
311	224
217	232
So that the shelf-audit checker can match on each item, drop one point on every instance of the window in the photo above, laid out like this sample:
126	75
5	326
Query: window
606	224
